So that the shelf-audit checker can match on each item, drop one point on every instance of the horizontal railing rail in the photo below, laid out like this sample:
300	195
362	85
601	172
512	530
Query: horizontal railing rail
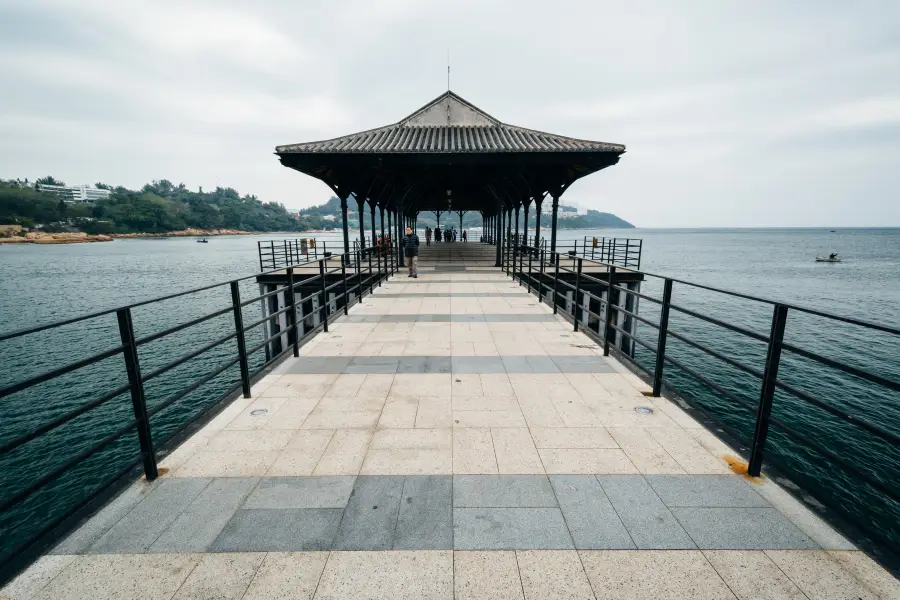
547	274
622	252
339	279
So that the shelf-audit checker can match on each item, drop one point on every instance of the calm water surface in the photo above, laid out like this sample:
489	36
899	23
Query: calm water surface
47	283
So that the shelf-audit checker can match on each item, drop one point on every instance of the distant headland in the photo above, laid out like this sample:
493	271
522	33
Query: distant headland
46	211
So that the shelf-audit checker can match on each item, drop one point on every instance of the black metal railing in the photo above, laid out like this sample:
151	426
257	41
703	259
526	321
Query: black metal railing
235	349
615	326
279	254
622	252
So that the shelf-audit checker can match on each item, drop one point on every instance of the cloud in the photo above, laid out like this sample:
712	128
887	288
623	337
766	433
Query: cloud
760	114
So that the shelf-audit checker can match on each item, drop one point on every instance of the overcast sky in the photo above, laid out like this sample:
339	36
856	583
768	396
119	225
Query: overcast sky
734	113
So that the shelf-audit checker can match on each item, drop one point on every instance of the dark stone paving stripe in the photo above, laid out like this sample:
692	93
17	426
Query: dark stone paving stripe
445	318
137	531
432	512
422	280
449	364
648	521
371	514
452	295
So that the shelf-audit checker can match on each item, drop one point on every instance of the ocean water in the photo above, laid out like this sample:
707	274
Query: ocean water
48	283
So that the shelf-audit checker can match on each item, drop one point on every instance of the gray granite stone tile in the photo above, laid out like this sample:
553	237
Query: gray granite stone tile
592	521
477	364
200	524
426	513
648	521
705	490
582	364
371	514
302	492
287	530
517	364
510	529
742	529
318	364
503	491
137	531
94	528
542	364
412	364
372	364
424	364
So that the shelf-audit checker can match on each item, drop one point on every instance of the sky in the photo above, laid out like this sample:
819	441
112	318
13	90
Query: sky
734	114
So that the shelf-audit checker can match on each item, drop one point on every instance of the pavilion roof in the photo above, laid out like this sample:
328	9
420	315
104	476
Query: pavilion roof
449	124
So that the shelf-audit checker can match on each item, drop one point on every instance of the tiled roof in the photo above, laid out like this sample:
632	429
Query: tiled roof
450	124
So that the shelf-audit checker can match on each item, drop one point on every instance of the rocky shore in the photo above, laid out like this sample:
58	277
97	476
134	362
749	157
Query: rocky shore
35	237
77	237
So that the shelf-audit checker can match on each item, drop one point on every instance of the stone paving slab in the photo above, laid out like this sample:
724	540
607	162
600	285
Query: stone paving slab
590	517
649	523
371	515
510	529
137	530
741	529
708	491
301	492
289	529
499	491
425	519
200	524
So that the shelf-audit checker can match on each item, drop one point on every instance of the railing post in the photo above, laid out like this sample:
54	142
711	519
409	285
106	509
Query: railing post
607	327
292	313
661	341
241	341
138	401
542	257
371	276
767	394
324	301
378	259
577	293
530	256
555	284
346	289
359	285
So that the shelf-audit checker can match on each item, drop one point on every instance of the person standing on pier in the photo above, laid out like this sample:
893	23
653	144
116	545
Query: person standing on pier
428	236
465	237
411	248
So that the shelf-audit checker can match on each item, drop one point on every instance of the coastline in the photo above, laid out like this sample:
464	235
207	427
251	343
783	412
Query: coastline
77	237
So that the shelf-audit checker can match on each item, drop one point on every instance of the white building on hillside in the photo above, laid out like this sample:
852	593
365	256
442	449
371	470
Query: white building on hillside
81	194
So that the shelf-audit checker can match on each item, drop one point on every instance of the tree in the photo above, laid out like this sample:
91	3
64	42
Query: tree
49	180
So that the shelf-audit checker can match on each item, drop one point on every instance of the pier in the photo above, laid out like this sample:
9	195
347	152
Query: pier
451	437
512	424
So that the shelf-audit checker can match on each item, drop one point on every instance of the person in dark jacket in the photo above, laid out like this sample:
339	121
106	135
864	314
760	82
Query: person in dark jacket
411	249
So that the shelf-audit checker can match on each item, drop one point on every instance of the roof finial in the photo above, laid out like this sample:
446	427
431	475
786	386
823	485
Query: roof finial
448	68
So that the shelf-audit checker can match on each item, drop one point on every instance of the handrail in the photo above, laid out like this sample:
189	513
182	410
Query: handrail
619	335
324	277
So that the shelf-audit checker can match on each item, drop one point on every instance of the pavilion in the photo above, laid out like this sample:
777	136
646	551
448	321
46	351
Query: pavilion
450	156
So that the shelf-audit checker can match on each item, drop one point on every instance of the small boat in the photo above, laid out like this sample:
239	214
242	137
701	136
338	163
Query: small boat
828	259
202	241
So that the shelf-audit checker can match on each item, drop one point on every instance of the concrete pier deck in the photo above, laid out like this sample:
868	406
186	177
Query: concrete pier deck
452	438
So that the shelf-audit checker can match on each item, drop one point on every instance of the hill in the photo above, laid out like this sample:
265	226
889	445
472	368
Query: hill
158	207
163	207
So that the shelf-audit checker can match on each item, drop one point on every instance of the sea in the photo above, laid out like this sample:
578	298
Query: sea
46	283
